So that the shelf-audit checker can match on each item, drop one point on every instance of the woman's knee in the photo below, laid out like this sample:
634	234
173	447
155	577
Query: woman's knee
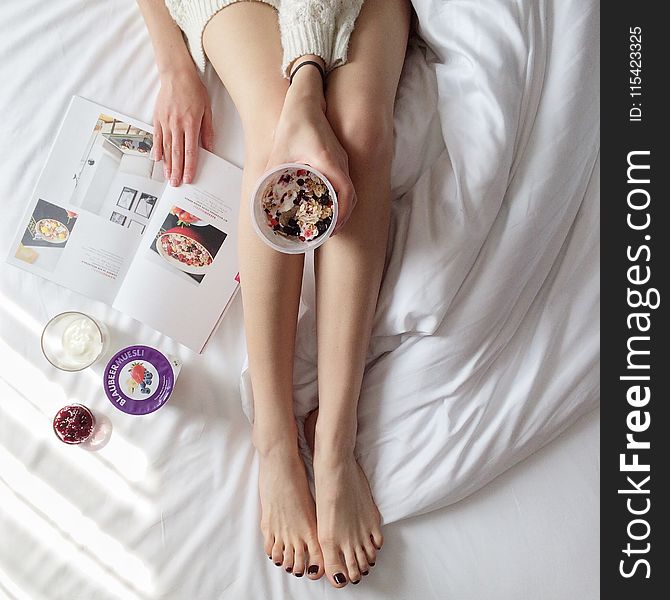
365	131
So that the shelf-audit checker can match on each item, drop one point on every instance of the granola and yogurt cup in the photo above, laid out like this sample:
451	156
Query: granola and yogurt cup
294	208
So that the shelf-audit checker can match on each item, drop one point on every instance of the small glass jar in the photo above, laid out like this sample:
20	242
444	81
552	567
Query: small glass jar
73	341
74	424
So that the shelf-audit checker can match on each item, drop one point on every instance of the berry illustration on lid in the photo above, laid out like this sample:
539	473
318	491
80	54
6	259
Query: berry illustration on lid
139	380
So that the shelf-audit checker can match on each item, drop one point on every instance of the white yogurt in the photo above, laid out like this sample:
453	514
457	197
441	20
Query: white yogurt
72	341
82	342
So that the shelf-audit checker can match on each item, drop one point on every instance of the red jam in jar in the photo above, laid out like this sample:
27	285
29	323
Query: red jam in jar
74	424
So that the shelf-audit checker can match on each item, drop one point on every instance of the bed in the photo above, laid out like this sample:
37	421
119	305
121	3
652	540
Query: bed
479	410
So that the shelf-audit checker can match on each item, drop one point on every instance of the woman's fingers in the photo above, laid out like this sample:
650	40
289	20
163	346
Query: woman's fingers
157	148
346	196
177	167
190	153
167	153
343	217
178	147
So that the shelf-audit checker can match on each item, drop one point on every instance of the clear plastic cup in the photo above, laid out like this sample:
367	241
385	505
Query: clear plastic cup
259	220
73	341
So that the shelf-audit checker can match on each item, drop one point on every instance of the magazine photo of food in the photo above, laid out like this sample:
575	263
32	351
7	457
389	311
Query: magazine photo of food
49	228
187	243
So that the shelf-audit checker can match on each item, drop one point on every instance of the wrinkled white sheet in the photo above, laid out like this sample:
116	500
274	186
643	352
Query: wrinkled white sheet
489	310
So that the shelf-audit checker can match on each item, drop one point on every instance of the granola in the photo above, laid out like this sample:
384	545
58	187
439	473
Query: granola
297	205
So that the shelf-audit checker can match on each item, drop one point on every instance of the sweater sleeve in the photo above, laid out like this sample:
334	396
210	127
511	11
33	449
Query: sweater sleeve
320	27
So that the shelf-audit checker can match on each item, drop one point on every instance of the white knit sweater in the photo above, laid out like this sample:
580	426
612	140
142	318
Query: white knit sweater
320	27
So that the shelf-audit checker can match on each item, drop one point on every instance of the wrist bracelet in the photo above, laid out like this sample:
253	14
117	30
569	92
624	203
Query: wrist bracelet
309	62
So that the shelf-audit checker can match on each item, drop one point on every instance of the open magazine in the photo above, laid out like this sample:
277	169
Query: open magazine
103	222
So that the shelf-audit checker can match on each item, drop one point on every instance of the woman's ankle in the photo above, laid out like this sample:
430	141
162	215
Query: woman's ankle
334	438
269	439
332	446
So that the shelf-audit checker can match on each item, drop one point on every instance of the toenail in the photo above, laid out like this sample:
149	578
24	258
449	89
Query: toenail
278	564
356	582
365	572
270	557
339	578
289	569
298	574
371	564
313	569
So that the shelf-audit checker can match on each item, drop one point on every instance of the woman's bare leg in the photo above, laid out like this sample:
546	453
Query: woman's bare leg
360	99
242	42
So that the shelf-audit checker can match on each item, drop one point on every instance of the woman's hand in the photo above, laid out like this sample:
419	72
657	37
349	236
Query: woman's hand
182	116
304	135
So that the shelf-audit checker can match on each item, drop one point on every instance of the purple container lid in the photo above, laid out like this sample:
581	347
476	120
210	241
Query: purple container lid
138	380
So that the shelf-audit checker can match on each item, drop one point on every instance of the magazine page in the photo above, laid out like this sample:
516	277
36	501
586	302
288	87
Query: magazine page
92	203
186	270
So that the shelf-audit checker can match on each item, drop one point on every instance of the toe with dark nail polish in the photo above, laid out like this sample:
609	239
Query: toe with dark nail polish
339	578
278	564
365	572
298	574
289	569
356	582
371	564
313	569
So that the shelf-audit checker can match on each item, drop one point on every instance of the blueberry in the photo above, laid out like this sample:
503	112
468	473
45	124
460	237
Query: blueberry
300	181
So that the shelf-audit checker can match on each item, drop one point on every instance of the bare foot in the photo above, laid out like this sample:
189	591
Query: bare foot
348	521
288	520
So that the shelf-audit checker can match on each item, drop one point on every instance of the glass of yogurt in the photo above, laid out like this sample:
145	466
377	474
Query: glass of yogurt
73	341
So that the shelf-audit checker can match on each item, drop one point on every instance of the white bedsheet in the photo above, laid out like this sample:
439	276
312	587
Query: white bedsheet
485	343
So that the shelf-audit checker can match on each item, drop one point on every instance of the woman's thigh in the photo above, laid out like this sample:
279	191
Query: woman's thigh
243	44
361	94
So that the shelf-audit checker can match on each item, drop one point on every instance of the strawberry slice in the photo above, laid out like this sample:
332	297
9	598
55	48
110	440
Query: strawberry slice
137	371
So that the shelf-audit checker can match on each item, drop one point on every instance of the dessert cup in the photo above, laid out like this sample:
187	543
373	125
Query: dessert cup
289	188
